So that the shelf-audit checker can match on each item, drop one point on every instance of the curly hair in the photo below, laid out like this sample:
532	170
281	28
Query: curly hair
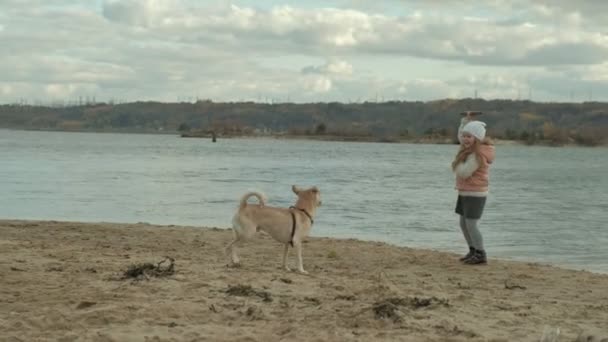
464	152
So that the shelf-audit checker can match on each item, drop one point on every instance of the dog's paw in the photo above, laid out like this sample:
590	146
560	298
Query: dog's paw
287	269
302	272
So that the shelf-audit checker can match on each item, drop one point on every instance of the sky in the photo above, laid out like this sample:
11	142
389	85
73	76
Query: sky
68	51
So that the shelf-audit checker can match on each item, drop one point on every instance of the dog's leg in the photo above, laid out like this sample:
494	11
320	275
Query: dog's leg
243	229
298	246
285	251
232	250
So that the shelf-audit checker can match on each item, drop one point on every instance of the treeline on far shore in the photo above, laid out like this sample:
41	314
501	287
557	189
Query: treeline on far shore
394	121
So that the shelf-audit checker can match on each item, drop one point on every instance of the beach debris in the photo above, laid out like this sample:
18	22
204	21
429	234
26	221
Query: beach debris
421	302
170	324
332	255
511	286
85	304
387	310
17	269
247	291
165	267
313	300
389	307
283	280
90	270
345	297
463	286
451	329
55	269
254	313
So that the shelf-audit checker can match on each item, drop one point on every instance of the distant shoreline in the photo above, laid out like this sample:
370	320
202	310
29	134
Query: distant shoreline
532	123
369	139
324	137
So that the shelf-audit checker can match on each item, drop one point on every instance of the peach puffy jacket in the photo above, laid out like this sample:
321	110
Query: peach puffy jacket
472	176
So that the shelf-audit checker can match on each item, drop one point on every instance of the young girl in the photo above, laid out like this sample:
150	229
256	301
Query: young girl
471	166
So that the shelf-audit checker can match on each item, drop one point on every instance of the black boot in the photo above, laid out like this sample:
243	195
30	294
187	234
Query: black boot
470	254
478	258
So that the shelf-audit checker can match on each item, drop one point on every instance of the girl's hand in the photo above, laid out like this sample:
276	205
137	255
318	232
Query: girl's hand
470	115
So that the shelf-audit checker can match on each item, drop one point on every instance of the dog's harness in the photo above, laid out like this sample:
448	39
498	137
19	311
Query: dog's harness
293	220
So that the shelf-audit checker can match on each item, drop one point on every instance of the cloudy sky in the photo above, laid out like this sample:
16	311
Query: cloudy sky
302	51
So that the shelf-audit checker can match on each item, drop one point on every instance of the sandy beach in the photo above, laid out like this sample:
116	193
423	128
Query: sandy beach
68	281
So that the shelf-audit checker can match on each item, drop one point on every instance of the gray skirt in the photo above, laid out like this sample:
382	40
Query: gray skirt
470	207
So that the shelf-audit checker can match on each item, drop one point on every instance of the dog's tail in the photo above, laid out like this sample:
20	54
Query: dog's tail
260	196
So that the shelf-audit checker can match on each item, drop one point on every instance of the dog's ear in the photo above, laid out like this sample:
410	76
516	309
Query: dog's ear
314	189
295	189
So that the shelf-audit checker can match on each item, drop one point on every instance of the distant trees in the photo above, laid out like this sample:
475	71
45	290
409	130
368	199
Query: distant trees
591	136
555	135
550	123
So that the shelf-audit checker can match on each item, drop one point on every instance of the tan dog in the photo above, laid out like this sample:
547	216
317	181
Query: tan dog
289	226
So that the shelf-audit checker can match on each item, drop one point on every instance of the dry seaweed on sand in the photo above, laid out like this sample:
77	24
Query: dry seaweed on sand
389	308
246	291
164	268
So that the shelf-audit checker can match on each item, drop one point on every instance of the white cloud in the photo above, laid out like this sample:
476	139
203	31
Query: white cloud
168	49
417	88
336	68
6	90
340	68
63	90
318	84
144	13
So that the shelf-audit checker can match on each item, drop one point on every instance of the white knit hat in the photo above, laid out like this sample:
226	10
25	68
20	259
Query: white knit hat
476	129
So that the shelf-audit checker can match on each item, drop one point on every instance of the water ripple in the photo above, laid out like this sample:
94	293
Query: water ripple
543	206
